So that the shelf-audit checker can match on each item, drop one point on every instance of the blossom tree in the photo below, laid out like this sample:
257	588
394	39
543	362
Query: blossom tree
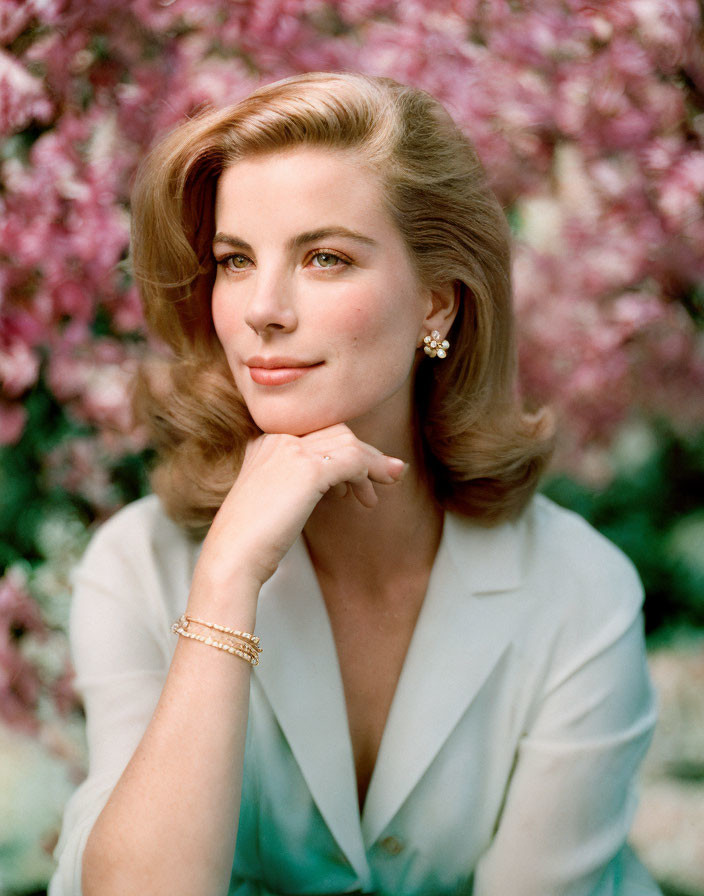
588	117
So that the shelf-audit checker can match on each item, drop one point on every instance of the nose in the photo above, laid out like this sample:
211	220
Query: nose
271	306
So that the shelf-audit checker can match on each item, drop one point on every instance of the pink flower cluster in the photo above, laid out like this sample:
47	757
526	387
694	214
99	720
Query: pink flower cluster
588	116
20	682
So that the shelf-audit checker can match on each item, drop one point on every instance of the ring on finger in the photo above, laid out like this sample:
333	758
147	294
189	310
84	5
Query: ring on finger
326	457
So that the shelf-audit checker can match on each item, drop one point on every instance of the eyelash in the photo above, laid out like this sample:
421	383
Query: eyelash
223	262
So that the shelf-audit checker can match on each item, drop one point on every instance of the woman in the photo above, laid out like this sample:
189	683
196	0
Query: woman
453	696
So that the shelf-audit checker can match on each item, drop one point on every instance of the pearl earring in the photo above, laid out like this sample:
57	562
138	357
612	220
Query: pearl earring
433	346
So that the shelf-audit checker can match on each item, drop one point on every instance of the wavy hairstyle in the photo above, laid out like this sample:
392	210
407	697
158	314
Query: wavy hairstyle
482	454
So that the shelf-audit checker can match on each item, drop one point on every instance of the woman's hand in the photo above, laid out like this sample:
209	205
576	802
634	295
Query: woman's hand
281	480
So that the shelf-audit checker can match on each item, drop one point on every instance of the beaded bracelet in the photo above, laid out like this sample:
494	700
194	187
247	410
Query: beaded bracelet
185	618
245	645
241	651
242	640
232	637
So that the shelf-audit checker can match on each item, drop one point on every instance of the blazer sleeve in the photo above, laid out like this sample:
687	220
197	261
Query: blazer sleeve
118	650
571	798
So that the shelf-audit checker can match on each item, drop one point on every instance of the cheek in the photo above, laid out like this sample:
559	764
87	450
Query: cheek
222	320
358	325
363	320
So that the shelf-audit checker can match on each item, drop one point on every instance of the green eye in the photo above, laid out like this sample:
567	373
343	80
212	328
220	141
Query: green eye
326	259
235	262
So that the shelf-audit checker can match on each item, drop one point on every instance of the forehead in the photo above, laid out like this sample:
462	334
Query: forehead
304	188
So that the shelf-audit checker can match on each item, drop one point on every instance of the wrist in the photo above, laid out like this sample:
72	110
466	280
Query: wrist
229	600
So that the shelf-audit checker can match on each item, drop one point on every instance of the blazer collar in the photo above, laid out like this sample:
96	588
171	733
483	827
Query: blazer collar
458	640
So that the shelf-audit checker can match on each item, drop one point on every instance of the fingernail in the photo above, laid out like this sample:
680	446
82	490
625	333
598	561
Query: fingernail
398	467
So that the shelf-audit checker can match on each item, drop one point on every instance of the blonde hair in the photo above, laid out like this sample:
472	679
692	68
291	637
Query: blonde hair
482	454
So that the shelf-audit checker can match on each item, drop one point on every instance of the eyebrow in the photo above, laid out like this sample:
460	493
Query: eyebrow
302	239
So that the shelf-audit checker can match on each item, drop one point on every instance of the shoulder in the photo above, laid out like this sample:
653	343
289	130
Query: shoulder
137	518
546	541
562	539
556	569
584	588
559	545
137	529
139	546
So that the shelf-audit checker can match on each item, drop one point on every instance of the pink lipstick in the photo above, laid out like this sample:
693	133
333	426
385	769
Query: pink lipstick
277	376
278	371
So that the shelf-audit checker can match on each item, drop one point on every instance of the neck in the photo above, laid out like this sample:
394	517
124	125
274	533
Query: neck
374	547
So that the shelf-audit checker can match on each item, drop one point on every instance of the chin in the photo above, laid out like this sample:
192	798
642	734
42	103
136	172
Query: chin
295	425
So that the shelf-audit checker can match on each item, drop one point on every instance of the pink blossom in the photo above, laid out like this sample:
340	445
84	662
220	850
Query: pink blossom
19	681
15	15
577	110
22	96
668	27
681	192
81	468
19	368
12	422
94	382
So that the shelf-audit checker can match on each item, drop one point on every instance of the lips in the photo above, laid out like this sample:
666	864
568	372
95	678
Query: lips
278	371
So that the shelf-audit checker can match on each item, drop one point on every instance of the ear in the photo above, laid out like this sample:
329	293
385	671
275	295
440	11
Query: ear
443	304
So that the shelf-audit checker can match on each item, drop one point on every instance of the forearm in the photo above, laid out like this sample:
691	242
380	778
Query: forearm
170	825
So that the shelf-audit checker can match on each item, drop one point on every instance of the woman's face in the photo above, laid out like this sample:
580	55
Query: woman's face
315	299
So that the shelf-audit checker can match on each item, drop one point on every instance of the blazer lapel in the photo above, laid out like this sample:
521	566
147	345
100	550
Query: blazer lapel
459	638
463	630
300	675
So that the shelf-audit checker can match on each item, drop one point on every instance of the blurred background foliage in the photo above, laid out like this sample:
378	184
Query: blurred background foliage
589	118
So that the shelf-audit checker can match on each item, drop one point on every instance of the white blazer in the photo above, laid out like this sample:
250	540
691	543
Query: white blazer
508	759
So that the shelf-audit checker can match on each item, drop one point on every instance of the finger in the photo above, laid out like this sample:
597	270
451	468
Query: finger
364	492
339	437
385	469
380	467
340	490
343	458
353	463
333	439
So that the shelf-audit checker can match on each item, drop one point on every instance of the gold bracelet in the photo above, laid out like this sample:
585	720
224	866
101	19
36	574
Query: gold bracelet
245	649
220	628
232	637
211	642
253	660
242	640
